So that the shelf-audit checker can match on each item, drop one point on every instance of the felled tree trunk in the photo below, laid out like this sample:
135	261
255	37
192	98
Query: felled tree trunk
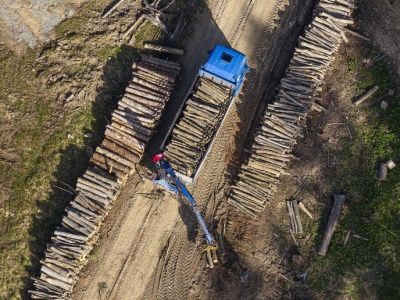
334	216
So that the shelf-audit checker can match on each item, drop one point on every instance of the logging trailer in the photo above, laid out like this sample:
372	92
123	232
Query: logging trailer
201	115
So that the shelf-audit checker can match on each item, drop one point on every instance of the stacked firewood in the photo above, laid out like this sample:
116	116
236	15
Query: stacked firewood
125	139
72	242
285	118
137	115
200	119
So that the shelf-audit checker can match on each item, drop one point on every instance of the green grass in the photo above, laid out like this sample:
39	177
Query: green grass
148	32
72	28
372	208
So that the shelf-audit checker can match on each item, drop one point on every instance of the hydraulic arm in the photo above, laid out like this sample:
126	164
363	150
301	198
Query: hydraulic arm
169	180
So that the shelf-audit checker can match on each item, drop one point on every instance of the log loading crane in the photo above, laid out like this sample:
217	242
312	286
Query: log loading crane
169	181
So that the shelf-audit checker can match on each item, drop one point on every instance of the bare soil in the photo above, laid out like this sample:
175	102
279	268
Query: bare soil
150	246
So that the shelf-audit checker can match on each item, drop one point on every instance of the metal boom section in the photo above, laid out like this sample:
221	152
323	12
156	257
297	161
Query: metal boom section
169	175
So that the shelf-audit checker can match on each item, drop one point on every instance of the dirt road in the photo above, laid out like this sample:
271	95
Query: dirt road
149	248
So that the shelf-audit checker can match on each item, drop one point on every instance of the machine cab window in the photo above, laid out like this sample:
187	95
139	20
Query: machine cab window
226	57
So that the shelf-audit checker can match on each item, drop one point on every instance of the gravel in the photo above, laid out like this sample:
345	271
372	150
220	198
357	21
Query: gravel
31	21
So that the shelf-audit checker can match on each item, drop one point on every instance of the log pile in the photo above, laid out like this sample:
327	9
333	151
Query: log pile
285	119
72	242
131	127
200	119
137	115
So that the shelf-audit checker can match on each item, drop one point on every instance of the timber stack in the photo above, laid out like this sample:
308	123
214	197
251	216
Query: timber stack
285	119
72	242
138	113
131	127
204	111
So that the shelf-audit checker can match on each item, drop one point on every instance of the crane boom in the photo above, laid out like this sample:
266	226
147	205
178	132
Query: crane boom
171	181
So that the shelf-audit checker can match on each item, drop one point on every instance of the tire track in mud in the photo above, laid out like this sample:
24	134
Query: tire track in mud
235	36
220	10
135	241
262	42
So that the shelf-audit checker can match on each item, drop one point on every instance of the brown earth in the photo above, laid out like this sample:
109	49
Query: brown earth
150	247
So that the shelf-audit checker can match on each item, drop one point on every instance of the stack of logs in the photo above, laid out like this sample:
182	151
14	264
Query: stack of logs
71	243
285	118
125	139
137	115
294	215
200	119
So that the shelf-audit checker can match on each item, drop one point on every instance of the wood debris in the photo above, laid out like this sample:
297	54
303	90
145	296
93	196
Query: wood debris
366	95
383	172
390	164
294	215
164	49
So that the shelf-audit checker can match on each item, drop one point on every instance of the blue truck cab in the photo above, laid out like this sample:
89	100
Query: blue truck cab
225	66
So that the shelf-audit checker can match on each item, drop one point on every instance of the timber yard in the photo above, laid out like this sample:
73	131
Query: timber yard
200	149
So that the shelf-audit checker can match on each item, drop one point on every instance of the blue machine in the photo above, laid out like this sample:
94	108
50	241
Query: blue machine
170	181
225	66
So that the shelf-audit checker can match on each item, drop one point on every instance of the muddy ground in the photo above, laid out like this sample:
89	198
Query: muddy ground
150	247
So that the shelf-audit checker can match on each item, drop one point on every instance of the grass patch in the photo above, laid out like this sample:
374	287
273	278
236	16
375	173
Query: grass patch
372	208
148	32
72	27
